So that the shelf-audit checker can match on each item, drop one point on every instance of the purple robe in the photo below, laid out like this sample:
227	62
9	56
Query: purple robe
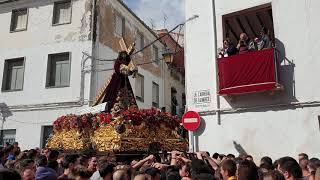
118	81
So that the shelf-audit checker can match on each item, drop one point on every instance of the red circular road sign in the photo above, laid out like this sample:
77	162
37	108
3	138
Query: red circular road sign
191	120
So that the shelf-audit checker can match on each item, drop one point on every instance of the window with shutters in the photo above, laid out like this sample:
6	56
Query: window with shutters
8	136
120	25
140	41
156	55
19	20
61	13
140	87
58	71
13	74
46	132
155	95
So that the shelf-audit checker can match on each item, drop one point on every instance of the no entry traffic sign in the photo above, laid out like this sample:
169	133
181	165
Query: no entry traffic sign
191	120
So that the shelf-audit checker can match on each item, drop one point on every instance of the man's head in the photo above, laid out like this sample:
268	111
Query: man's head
289	168
231	156
228	168
185	170
243	36
120	175
273	175
249	157
106	171
53	155
28	174
93	162
81	173
153	172
247	170
266	160
41	161
70	161
265	167
303	156
15	144
142	177
304	163
314	163
27	164
9	174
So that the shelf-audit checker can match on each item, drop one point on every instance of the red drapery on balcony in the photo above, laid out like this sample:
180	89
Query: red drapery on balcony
247	73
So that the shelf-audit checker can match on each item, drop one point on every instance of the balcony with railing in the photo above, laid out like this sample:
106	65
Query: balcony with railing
248	73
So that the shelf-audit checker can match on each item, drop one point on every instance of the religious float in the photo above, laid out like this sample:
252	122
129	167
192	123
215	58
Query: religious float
122	127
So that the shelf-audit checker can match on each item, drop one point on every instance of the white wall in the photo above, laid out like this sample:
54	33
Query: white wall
273	131
39	40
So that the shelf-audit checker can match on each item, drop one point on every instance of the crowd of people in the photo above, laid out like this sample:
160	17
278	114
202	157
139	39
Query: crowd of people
246	44
36	164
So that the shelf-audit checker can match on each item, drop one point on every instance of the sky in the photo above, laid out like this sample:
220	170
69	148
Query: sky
154	12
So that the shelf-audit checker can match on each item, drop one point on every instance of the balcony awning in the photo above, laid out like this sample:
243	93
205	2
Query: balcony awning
247	73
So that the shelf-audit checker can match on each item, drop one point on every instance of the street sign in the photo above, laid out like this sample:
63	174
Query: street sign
191	120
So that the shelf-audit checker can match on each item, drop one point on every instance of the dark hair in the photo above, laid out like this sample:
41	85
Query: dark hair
1	154
187	168
53	165
266	160
291	166
203	176
231	156
151	171
9	174
53	155
247	170
304	155
26	163
32	153
314	163
266	166
199	166
230	166
41	161
249	156
215	155
68	159
106	169
173	175
82	172
275	175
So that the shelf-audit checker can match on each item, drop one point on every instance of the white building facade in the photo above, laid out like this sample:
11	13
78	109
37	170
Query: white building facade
53	62
276	123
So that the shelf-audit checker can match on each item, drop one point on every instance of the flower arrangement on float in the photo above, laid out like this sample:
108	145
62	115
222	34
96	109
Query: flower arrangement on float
133	130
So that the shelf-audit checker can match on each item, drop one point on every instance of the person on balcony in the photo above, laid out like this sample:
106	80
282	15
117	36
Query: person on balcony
245	41
228	49
264	41
242	47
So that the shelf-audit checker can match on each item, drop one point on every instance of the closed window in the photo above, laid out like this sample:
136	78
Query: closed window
140	87
155	95
13	74
46	132
61	13
156	55
19	19
140	41
8	136
120	25
58	73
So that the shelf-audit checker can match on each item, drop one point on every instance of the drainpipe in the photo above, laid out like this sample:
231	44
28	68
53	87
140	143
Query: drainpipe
93	50
216	62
